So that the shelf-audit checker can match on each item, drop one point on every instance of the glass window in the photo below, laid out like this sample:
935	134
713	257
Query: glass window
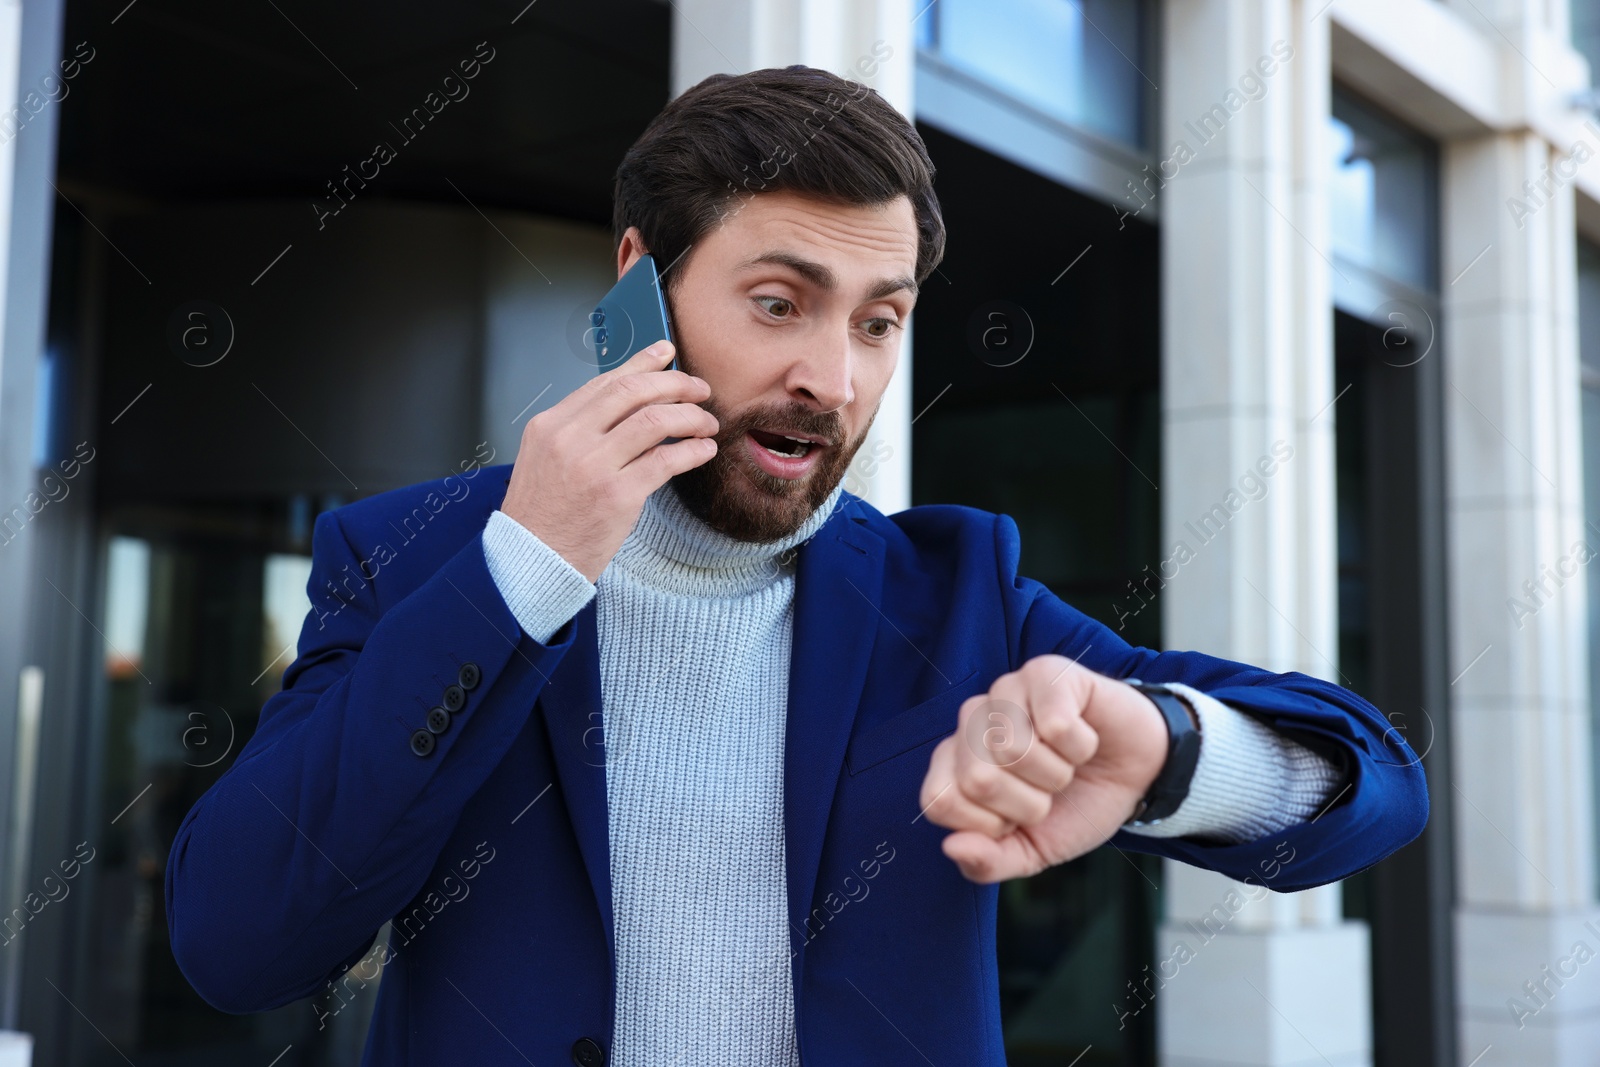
1589	354
285	607
203	610
1383	191
1585	19
1081	61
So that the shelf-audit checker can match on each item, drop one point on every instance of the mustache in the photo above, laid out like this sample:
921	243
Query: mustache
828	427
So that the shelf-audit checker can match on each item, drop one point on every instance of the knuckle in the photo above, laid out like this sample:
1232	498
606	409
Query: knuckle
553	447
1050	727
626	386
1090	744
983	783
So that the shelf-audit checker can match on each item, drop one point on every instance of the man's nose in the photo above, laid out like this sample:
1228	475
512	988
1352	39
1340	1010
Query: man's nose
823	374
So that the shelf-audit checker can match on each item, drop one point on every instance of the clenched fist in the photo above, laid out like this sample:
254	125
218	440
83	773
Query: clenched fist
1043	768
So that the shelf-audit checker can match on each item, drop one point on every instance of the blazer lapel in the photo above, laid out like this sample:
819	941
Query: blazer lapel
837	591
572	716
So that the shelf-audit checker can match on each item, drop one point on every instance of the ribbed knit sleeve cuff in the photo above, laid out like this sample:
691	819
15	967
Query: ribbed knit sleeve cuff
540	587
1250	781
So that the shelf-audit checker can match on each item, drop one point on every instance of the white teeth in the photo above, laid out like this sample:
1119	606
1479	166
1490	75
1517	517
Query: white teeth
804	447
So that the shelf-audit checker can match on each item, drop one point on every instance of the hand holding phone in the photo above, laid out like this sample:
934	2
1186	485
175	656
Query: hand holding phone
586	465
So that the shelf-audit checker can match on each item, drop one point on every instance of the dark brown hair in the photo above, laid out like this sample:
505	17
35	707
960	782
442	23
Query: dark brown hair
793	128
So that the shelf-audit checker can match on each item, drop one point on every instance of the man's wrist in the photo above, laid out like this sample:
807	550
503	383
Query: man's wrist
542	589
1168	789
1251	780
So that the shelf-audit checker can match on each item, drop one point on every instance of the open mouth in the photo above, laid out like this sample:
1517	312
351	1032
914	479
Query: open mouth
782	445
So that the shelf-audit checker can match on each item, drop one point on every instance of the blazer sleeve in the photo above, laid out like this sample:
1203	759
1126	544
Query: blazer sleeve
328	822
1382	805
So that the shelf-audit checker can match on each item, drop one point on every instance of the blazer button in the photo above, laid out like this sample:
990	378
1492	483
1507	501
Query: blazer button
588	1053
469	676
454	698
438	721
422	743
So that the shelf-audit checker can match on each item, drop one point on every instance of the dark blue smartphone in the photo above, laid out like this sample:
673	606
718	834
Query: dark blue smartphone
632	316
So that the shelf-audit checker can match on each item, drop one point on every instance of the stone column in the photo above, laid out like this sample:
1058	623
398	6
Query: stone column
870	41
1526	920
1247	368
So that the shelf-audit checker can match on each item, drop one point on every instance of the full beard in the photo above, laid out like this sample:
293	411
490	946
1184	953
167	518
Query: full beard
734	496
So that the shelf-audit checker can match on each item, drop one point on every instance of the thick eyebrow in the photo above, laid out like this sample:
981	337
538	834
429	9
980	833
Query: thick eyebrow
824	278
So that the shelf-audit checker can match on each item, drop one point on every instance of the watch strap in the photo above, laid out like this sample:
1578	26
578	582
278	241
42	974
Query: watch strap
1171	785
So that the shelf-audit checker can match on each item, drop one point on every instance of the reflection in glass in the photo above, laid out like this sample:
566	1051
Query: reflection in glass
203	610
1077	60
1382	187
1584	18
1589	355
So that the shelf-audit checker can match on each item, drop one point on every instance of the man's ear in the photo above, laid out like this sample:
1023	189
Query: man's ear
629	250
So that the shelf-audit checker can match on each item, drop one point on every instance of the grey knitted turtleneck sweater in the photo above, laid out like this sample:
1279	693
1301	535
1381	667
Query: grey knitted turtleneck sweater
695	632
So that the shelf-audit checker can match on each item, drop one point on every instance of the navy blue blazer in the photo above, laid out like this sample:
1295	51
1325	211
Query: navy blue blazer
486	844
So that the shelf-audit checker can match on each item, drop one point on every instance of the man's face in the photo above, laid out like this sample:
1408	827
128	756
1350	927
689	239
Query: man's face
791	308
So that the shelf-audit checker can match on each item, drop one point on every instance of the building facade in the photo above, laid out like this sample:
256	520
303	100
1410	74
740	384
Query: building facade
1274	323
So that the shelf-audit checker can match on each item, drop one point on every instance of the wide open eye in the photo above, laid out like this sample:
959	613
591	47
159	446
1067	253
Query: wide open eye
878	329
776	306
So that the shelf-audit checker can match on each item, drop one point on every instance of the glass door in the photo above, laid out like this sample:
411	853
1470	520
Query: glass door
203	608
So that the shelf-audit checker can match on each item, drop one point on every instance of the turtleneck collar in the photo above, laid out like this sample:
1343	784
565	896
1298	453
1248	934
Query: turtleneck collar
673	550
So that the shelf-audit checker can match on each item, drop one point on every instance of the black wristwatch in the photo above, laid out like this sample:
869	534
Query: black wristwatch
1183	752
